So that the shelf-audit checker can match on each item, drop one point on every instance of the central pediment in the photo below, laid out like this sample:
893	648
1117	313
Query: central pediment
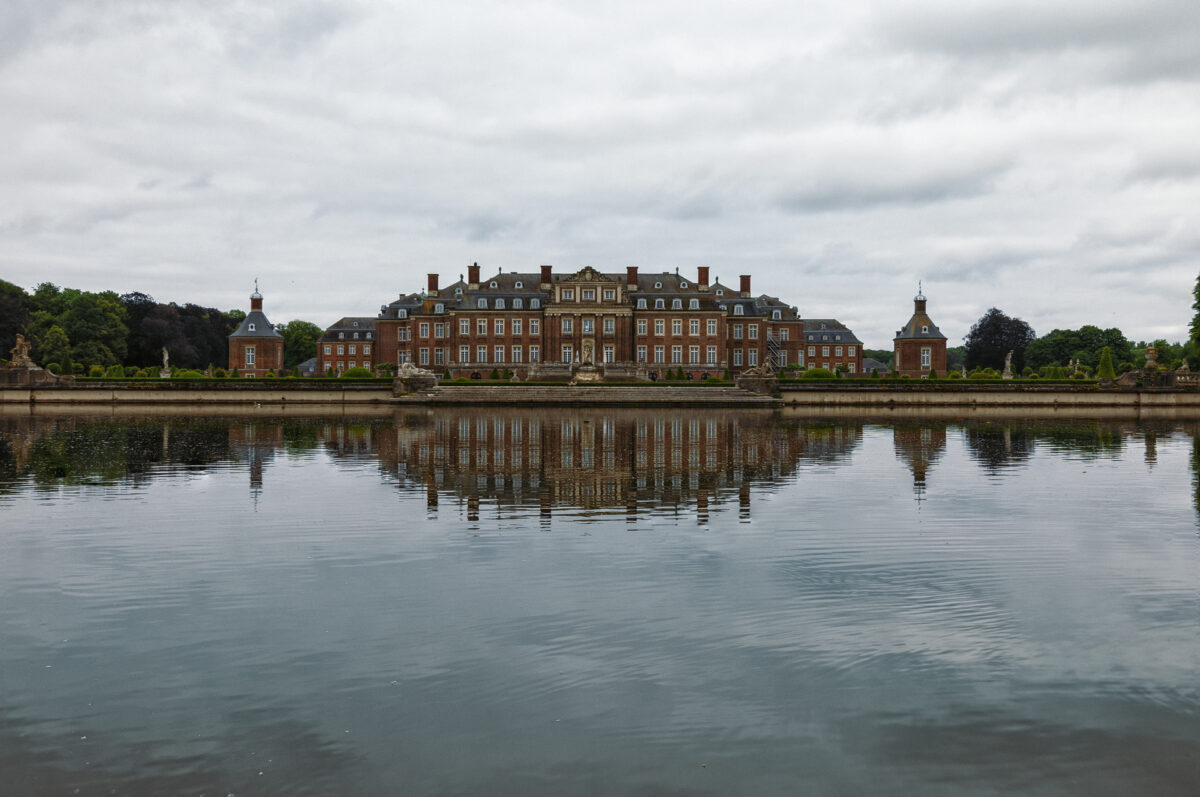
588	274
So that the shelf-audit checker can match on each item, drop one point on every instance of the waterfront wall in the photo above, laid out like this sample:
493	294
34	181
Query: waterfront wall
983	396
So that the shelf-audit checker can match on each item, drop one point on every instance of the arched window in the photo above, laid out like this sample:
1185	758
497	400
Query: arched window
720	292
658	285
677	304
641	305
401	314
693	304
492	284
439	308
535	304
250	327
481	303
776	315
519	284
518	303
499	304
659	304
739	310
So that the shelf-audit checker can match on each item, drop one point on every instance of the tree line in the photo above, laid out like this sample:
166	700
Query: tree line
77	329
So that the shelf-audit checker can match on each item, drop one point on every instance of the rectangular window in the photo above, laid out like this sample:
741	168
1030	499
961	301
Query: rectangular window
568	295
926	356
812	351
752	357
783	334
439	357
353	349
693	354
327	349
481	354
782	359
568	325
609	354
499	354
424	330
481	326
516	354
464	354
712	355
366	348
800	359
341	348
737	331
535	353
609	294
464	326
641	328
499	327
737	357
641	354
568	352
837	351
852	367
694	326
589	326
516	326
610	326
676	326
424	356
676	354
352	364
753	332
535	326
658	354
660	326
850	350
439	330
249	356
712	326
589	295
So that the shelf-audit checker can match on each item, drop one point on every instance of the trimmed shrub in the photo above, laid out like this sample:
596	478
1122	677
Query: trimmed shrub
220	373
78	369
932	374
96	371
54	368
874	374
189	374
142	373
357	373
115	372
954	375
130	370
270	374
234	373
1105	369
818	373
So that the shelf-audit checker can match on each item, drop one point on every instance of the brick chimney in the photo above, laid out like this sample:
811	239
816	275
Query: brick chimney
702	277
473	277
547	277
433	284
631	277
745	286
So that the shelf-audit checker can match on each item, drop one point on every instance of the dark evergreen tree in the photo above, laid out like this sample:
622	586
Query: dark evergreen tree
993	336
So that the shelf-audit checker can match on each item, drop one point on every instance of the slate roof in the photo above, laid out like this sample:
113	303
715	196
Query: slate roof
348	326
871	364
912	330
828	330
262	327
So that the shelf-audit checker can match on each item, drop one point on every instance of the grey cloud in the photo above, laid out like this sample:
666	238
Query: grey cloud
841	192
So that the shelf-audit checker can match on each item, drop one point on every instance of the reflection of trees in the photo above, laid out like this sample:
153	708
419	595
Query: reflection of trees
1088	439
81	450
998	446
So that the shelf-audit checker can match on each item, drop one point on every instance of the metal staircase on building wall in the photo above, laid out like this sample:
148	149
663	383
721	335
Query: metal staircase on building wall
774	352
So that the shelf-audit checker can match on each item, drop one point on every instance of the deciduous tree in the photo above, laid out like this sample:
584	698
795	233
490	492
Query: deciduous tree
993	336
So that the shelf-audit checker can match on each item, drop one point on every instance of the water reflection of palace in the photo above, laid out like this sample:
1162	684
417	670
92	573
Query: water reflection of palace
596	459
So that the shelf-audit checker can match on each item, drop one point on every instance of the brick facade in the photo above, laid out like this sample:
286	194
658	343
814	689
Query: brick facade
255	347
524	322
349	343
919	346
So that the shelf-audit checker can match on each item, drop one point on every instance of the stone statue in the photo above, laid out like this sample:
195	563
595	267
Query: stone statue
1183	367
165	372
20	354
1008	372
964	370
1151	358
588	352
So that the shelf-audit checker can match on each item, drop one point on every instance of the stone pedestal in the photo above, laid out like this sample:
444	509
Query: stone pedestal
587	373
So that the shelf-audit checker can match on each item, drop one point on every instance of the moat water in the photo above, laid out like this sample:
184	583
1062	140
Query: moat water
552	602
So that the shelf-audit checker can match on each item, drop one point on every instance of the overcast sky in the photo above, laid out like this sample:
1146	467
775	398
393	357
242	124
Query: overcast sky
1040	157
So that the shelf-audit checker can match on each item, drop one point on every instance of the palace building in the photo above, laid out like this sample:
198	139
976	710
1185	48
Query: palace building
349	343
255	347
631	325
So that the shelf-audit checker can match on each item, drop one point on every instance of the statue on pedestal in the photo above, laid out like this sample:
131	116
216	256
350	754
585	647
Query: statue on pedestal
1008	372
20	354
165	373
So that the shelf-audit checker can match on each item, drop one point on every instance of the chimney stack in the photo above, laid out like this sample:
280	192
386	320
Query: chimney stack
433	284
745	286
473	277
702	277
631	277
547	277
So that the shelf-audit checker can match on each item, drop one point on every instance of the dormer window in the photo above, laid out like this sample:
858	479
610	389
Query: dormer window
250	327
677	304
458	291
659	304
341	336
356	336
499	304
481	304
739	310
492	284
722	308
776	315
355	323
683	285
925	328
368	336
720	292
824	337
518	303
518	285
535	304
693	304
439	308
641	304
658	285
401	314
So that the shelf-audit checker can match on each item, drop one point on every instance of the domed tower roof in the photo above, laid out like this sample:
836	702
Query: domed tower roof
920	326
255	324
